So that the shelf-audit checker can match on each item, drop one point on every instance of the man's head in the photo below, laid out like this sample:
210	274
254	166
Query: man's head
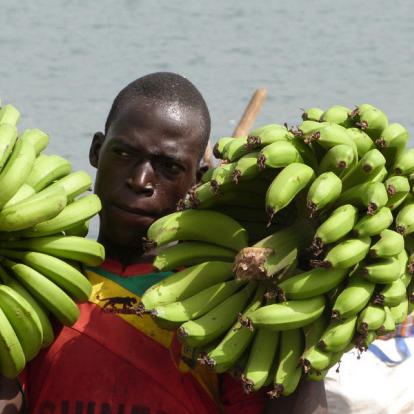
147	159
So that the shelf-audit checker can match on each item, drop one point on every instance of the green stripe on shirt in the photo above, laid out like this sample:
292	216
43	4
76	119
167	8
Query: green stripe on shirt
135	284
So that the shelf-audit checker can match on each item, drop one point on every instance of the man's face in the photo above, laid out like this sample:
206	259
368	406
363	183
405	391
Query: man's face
146	163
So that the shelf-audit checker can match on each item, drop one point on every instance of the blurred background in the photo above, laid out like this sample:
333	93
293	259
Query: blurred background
62	63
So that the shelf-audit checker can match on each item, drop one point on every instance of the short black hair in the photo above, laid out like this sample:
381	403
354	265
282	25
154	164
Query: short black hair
164	87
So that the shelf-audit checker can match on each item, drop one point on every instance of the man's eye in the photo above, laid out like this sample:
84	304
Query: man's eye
122	152
172	167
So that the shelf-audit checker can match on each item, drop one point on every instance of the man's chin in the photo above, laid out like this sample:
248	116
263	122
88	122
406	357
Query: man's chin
128	234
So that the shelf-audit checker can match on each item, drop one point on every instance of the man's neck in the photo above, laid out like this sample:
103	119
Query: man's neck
126	255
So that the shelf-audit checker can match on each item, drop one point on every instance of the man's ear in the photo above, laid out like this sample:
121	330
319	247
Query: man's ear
201	170
95	148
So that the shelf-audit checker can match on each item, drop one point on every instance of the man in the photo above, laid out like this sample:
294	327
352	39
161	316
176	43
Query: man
111	360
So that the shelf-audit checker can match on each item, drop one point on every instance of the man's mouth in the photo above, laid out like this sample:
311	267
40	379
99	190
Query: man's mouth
137	211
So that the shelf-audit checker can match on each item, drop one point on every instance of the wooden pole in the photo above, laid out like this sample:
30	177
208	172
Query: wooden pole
245	123
250	113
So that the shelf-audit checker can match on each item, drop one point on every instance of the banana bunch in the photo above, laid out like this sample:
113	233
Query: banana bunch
44	216
296	248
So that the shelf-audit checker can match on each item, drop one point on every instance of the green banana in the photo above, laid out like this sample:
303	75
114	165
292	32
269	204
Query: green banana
316	359
374	197
311	283
29	212
353	298
23	193
405	275
312	114
246	167
382	271
390	244
399	312
371	195
392	142
345	254
404	222
339	159
8	137
75	213
268	135
266	127
218	149
223	174
312	334
329	135
382	174
74	183
324	190
82	250
405	163
186	283
47	329
338	335
289	371
236	341
371	120
306	152
200	225
340	222
37	137
207	175
67	277
287	184
337	114
248	193
314	375
287	315
388	324
372	225
218	320
367	167
308	128
16	170
46	292
370	319
278	155
197	305
237	148
261	356
23	319
362	141
392	294
9	115
12	360
80	230
398	188
190	253
46	169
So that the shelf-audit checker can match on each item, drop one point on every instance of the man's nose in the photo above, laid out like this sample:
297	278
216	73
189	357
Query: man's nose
142	179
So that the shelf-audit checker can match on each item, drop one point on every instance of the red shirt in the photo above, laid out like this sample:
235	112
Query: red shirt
113	361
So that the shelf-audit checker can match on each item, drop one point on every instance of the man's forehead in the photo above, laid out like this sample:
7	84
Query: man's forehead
150	113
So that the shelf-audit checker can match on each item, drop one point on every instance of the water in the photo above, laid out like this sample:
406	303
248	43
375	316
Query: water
62	63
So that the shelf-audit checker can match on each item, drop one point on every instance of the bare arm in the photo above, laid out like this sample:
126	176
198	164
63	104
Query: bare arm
11	399
309	398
